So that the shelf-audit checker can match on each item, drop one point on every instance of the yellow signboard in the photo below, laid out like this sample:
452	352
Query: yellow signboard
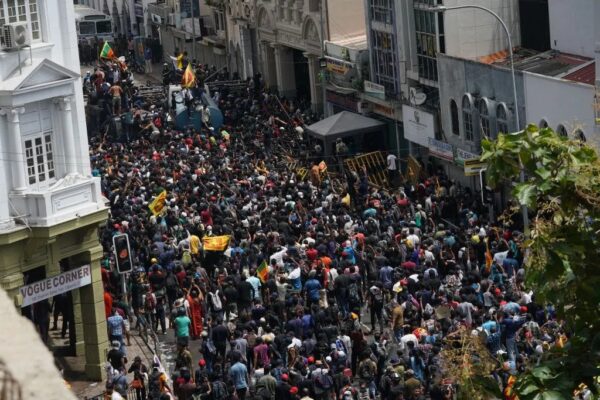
339	67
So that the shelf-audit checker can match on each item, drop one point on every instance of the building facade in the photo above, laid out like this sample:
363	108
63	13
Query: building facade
203	36
290	37
50	204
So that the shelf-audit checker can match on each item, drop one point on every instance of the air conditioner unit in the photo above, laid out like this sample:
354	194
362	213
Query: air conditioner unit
171	19
15	35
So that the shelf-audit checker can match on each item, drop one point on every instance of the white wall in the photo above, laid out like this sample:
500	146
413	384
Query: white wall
559	101
346	19
472	33
572	26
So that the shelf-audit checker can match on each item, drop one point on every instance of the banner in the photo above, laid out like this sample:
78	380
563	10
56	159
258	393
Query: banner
55	285
158	203
216	243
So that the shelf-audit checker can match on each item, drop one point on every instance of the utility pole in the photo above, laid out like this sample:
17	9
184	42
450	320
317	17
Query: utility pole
597	80
323	69
193	27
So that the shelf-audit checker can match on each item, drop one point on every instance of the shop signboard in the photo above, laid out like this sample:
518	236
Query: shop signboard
374	90
440	149
55	285
463	155
474	166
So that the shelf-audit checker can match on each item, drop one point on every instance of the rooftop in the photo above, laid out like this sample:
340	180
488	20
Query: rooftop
550	63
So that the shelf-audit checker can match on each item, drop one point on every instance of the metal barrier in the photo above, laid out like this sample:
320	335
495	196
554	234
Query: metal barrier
375	165
10	389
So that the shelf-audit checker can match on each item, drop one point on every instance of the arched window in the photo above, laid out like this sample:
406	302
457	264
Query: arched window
502	118
543	124
561	130
484	118
454	117
467	111
579	135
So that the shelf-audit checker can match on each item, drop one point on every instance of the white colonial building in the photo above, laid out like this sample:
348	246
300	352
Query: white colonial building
50	205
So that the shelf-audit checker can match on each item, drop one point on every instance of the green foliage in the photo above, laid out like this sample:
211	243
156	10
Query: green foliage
562	188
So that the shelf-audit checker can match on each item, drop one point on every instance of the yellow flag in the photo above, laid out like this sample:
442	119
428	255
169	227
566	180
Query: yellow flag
158	204
188	79
215	243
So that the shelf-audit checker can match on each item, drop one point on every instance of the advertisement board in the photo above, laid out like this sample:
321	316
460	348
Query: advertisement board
418	125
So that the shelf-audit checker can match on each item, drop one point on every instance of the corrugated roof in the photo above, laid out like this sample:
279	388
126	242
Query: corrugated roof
586	74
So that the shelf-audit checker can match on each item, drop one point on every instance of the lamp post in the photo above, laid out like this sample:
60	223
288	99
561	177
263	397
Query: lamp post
514	84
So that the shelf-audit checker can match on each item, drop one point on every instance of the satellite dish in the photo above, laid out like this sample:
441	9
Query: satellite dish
417	97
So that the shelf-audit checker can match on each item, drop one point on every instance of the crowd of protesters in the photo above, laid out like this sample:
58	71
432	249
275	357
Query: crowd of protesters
363	285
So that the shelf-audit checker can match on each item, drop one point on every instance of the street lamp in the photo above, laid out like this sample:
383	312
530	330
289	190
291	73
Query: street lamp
443	9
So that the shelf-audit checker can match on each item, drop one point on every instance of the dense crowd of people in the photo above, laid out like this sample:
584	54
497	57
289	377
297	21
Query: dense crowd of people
362	285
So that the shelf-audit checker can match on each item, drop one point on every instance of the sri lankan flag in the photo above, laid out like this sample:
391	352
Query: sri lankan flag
158	204
262	272
107	52
188	79
216	243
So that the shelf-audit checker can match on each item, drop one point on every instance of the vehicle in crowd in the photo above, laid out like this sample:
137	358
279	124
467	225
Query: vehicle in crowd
92	24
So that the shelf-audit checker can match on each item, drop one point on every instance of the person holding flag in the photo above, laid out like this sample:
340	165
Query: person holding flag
262	272
158	204
188	81
107	52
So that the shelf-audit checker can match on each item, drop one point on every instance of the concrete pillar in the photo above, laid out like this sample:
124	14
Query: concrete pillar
316	94
66	119
268	65
92	317
11	284
284	67
17	159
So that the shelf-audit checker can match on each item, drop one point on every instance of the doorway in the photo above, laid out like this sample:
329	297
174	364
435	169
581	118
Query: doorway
301	76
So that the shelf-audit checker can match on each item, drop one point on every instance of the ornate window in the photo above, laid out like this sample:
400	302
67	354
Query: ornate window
579	135
502	118
561	130
467	112
39	157
454	117
484	118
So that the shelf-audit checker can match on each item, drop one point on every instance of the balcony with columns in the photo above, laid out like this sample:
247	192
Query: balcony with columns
44	179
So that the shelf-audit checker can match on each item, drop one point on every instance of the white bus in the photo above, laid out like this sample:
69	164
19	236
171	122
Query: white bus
91	23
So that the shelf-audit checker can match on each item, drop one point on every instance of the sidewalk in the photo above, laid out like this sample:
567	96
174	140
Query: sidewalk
73	367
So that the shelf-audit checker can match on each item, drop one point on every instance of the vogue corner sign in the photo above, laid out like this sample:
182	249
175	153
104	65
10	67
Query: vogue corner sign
54	285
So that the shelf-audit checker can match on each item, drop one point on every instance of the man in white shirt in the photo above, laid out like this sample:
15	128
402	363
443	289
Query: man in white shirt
392	168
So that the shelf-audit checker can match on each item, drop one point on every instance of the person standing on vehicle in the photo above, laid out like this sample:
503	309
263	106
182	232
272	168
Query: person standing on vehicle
116	91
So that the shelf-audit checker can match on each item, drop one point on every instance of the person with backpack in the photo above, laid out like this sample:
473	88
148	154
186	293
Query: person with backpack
157	383
367	372
266	385
355	297
376	299
219	388
322	381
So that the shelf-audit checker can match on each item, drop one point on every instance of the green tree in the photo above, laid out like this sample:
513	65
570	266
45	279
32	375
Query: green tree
562	192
